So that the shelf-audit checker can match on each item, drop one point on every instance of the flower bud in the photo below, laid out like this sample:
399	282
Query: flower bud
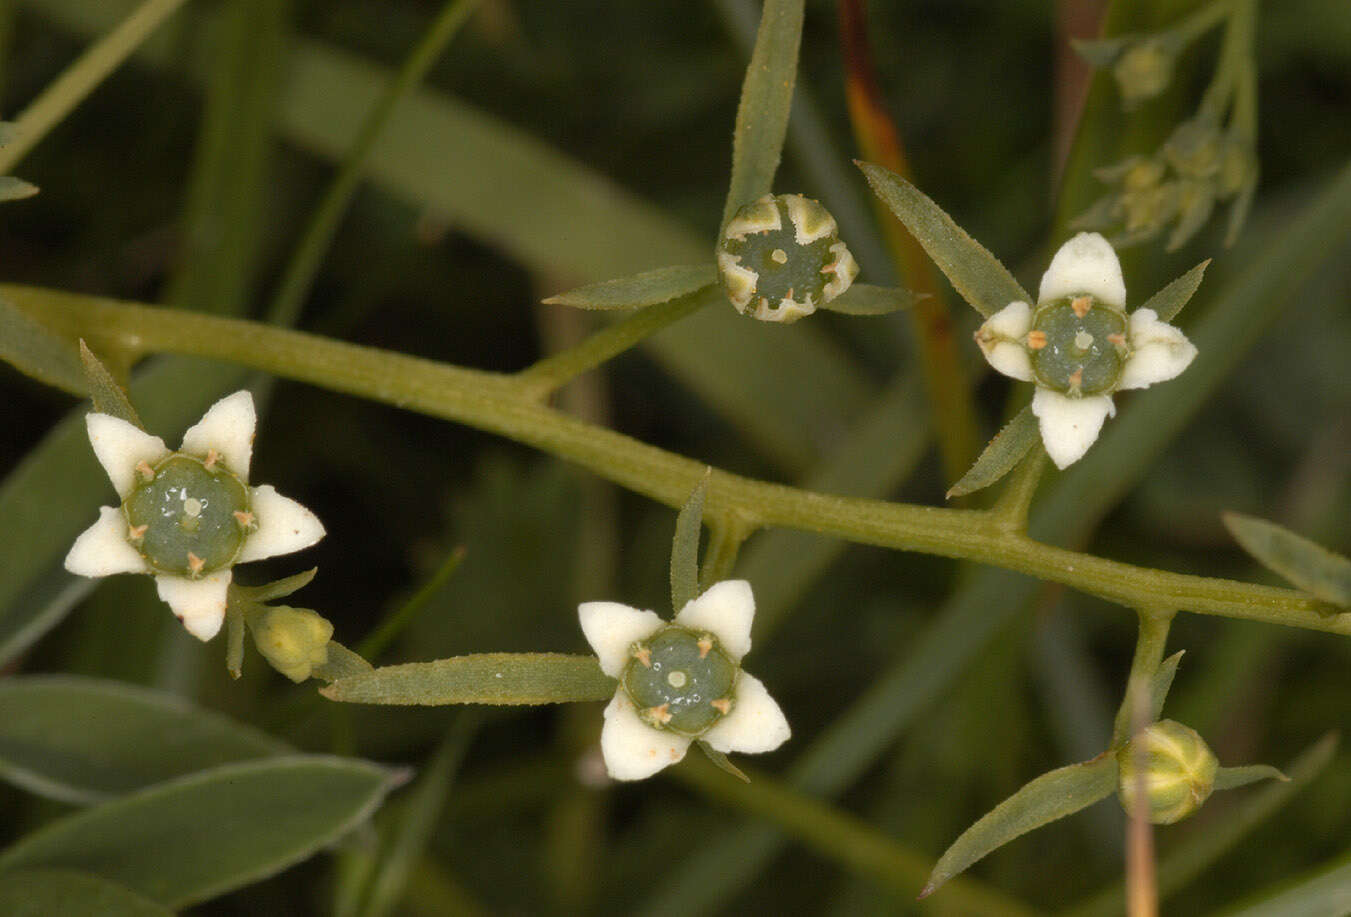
1179	771
1195	149
1238	166
293	640
1144	70
781	257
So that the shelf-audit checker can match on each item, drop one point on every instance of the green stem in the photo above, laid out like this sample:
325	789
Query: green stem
1235	56
310	251
1010	510
724	543
1203	20
1149	645
82	77
503	405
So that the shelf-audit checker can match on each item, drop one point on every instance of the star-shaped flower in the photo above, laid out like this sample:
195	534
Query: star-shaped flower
188	517
1079	345
680	682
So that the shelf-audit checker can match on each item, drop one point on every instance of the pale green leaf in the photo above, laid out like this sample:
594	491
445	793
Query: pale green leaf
82	740
866	299
1000	457
1169	301
342	663
36	351
1310	566
70	893
107	395
1228	778
1162	683
200	836
646	289
974	273
685	546
15	189
1324	892
1049	797
766	99
485	678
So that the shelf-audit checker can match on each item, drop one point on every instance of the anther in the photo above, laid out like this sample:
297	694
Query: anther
643	655
137	532
1081	305
211	457
143	467
723	705
705	644
244	519
1036	340
660	714
195	564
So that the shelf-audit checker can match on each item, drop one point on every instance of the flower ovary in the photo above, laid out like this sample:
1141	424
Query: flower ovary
185	519
1078	345
681	680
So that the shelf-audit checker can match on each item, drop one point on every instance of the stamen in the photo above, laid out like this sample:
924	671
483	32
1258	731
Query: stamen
1036	340
705	644
145	470
195	564
723	705
643	655
137	532
211	457
244	519
1081	305
660	714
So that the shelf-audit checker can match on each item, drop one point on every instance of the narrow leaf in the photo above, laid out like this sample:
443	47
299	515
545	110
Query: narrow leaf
35	350
1162	683
342	663
486	678
1169	301
15	189
685	546
866	299
107	395
1049	797
975	273
268	592
1312	567
82	740
766	98
1228	778
645	289
1004	452
200	836
69	893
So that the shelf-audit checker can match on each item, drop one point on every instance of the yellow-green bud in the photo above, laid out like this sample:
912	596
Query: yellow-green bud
1195	149
293	640
1179	771
1143	71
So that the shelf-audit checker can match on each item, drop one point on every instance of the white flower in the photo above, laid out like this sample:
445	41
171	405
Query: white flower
1079	346
187	517
681	681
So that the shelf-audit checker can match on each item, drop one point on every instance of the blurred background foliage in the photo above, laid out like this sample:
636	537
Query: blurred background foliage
187	177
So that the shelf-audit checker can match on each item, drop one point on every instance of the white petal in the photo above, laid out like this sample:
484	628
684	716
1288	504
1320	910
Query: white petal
631	748
283	526
1001	340
228	428
725	610
1069	425
1010	359
1159	351
120	447
755	724
1013	321
198	603
611	628
1085	264
103	549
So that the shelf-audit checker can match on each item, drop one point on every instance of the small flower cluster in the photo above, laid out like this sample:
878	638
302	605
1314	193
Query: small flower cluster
1079	346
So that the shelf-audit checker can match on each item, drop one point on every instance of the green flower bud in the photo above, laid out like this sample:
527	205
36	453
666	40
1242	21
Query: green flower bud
1195	149
1238	166
680	680
293	640
188	516
1179	771
781	257
1144	70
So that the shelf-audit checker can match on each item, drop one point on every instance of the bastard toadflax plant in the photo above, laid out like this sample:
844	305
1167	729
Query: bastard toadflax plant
729	457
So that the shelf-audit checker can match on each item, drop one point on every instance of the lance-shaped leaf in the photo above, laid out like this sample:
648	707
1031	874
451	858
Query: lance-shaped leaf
1312	567
685	546
1001	455
200	836
82	740
1169	301
867	299
1049	797
1162	683
107	395
766	98
646	289
37	351
1229	778
485	678
70	893
975	273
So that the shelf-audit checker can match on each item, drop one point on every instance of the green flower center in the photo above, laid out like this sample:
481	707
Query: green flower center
680	680
187	517
1078	345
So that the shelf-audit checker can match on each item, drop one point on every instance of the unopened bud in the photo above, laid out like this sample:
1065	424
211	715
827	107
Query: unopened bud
1179	771
1144	70
293	640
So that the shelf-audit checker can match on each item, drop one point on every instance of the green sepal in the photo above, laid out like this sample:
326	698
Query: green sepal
277	589
1049	797
1161	683
108	396
1168	302
719	759
484	678
1322	573
685	546
1002	454
646	289
975	273
1228	778
868	299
